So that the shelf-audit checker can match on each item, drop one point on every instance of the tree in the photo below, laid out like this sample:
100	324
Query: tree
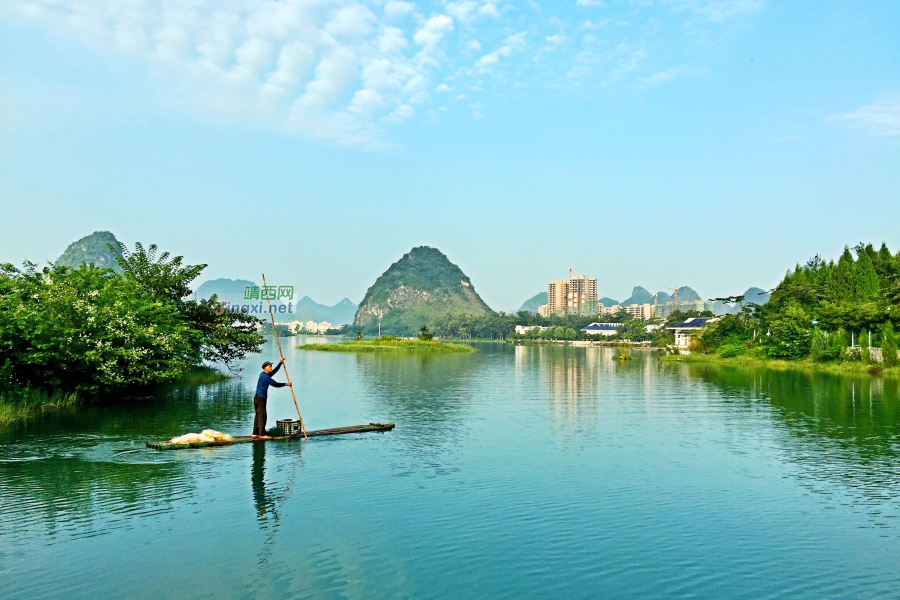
226	338
843	280
90	330
866	285
790	333
889	345
424	334
161	277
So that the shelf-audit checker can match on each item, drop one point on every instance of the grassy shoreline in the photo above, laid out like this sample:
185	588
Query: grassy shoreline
202	374
846	368
34	403
31	403
391	345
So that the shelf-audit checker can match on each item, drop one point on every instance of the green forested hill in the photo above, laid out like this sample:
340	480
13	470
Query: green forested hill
92	249
416	289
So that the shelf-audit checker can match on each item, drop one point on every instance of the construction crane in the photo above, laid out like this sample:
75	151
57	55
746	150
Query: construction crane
570	273
676	295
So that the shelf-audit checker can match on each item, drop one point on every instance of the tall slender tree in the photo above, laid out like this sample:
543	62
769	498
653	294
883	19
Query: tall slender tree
866	284
842	280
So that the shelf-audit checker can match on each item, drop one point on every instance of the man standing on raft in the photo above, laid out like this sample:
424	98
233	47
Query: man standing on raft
262	393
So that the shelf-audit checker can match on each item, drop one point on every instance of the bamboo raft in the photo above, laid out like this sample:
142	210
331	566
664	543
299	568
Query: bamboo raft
243	439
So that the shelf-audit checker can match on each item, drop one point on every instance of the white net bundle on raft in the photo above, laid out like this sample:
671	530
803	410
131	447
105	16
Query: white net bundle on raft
207	435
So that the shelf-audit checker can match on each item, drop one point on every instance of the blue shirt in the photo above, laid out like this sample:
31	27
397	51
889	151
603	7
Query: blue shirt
265	380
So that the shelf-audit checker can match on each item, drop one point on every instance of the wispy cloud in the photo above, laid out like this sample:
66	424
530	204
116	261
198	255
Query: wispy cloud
662	76
349	70
717	10
881	117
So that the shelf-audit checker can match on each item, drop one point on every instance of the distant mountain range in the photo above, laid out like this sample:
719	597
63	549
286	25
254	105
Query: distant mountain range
305	309
640	295
753	295
416	289
92	249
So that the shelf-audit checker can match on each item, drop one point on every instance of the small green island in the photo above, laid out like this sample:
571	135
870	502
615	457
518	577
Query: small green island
390	343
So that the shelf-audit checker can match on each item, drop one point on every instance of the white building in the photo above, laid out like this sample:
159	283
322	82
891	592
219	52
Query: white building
641	311
523	329
686	330
608	310
604	329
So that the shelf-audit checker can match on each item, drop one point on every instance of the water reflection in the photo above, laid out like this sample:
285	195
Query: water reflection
263	503
837	429
579	380
59	494
90	469
430	390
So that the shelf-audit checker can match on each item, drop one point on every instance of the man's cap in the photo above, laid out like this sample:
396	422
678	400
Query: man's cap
266	364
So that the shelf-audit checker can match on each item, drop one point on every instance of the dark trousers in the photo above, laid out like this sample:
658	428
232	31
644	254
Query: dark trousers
259	423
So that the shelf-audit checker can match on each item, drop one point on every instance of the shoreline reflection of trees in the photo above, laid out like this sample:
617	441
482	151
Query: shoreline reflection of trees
57	492
73	468
433	391
843	429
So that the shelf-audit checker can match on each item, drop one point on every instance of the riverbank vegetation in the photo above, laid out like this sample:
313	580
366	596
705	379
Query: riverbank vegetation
838	315
85	334
391	344
502	326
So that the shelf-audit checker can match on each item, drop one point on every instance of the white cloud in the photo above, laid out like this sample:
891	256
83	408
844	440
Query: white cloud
346	69
881	117
466	11
513	43
398	10
717	11
433	31
392	41
327	68
591	25
554	42
351	22
402	113
461	11
489	9
662	76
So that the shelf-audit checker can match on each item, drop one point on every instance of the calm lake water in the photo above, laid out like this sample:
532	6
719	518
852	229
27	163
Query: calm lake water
514	472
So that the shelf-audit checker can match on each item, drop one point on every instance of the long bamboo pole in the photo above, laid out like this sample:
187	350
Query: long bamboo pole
288	377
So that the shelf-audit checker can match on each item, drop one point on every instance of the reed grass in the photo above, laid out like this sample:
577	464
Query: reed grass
845	367
201	374
29	403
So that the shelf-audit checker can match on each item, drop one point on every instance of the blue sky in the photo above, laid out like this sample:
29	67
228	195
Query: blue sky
656	143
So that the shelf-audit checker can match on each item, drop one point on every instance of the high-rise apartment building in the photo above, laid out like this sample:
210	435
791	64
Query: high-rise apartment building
557	297
582	296
575	296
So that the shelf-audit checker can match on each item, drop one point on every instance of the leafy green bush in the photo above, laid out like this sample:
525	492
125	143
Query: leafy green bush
731	350
790	333
730	329
818	344
836	346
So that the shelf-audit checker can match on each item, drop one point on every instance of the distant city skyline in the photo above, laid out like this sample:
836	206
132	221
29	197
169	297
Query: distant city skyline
713	144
